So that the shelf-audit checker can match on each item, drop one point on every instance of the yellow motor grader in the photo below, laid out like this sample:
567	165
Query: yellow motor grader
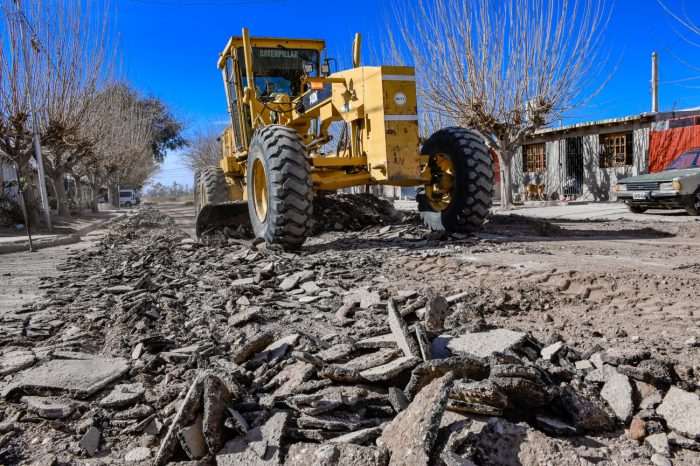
278	151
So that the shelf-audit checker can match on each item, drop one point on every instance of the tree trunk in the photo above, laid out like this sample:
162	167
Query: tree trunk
506	180
61	195
94	207
113	196
79	197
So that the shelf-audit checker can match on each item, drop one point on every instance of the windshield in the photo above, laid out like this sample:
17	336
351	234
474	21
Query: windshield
278	70
686	160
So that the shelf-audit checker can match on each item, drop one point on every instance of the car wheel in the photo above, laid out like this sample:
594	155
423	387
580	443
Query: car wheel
635	209
693	207
127	204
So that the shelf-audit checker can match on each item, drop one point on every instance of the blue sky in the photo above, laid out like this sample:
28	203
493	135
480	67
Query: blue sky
170	48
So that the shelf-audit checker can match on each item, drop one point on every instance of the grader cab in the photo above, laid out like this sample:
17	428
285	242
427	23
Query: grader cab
278	151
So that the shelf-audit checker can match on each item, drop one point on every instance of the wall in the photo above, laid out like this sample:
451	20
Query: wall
597	183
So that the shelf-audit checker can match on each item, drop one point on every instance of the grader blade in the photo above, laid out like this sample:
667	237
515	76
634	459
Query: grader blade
228	214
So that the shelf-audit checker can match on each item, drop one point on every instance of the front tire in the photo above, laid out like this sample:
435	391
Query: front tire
460	194
635	209
127	204
280	198
693	207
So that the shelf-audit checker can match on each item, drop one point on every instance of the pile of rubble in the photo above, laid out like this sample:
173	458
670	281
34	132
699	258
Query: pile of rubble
152	348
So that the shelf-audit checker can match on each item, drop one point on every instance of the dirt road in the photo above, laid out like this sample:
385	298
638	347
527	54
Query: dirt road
228	345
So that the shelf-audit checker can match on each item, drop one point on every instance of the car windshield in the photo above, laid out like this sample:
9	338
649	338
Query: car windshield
686	160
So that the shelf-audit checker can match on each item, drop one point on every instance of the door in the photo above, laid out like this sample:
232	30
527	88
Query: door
573	168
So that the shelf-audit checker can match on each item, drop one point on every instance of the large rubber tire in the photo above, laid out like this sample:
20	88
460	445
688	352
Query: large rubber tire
288	216
693	207
212	188
635	209
472	192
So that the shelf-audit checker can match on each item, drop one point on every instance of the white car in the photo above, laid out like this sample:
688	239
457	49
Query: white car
128	198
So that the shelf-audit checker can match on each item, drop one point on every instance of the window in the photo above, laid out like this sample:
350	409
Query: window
534	159
616	150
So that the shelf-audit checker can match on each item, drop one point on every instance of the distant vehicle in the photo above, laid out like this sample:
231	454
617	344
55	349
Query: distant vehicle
128	198
677	187
102	198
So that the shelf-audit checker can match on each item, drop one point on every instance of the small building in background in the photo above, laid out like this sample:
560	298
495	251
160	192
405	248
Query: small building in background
585	160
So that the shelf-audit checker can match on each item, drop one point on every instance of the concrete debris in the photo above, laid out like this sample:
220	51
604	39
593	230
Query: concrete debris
681	410
79	378
240	354
411	435
484	344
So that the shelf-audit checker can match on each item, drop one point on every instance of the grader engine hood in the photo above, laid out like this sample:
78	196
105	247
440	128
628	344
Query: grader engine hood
384	98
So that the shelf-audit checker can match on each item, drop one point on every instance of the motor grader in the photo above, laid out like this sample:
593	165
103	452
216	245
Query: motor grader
283	99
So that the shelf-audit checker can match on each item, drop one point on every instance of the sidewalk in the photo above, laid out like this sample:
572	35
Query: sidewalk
66	230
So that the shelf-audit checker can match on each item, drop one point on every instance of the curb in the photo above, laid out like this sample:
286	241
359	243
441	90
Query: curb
23	245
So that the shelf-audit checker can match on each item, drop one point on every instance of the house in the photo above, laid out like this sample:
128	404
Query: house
585	160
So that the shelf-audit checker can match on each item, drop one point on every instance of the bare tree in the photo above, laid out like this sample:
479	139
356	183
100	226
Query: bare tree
204	149
503	67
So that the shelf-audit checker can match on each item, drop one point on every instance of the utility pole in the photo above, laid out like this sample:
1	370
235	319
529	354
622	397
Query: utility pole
35	121
654	82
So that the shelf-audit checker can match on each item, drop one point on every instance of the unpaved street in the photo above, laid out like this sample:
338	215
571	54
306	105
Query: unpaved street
534	342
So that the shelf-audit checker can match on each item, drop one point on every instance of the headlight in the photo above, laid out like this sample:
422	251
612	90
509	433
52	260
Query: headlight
672	186
620	187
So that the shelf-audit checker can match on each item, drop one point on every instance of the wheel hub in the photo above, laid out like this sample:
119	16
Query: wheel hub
439	190
259	190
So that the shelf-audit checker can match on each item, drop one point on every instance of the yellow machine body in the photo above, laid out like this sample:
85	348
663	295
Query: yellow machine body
377	106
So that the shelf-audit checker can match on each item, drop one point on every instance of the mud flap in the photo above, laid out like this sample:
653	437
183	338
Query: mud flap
221	215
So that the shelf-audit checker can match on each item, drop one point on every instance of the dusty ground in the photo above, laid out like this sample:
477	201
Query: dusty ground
614	283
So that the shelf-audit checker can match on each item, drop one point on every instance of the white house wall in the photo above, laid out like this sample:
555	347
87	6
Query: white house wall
598	183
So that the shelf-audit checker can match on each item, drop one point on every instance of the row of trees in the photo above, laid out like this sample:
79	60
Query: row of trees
93	125
174	191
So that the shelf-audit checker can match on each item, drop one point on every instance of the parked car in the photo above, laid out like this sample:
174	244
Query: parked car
128	198
676	187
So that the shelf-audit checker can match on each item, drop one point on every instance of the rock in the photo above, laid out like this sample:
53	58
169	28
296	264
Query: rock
658	443
370	360
436	311
192	439
332	454
218	394
524	393
585	411
660	460
554	426
681	410
451	458
617	392
397	399
260	446
463	367
185	414
359	437
411	435
514	370
482	392
651	371
583	365
484	344
380	341
292	376
400	331
390	370
123	395
253	345
638	429
683	442
620	356
550	351
459	406
78	378
651	401
137	454
90	441
13	361
48	407
423	342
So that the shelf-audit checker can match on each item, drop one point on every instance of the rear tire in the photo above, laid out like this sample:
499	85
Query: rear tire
472	190
127	205
635	209
280	197
211	187
693	207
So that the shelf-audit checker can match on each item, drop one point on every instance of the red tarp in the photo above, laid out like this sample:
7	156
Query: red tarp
668	144
496	166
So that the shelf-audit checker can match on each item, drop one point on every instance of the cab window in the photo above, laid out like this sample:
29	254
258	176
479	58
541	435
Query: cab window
278	70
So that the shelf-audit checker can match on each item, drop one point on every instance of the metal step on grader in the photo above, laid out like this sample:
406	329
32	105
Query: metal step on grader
278	150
